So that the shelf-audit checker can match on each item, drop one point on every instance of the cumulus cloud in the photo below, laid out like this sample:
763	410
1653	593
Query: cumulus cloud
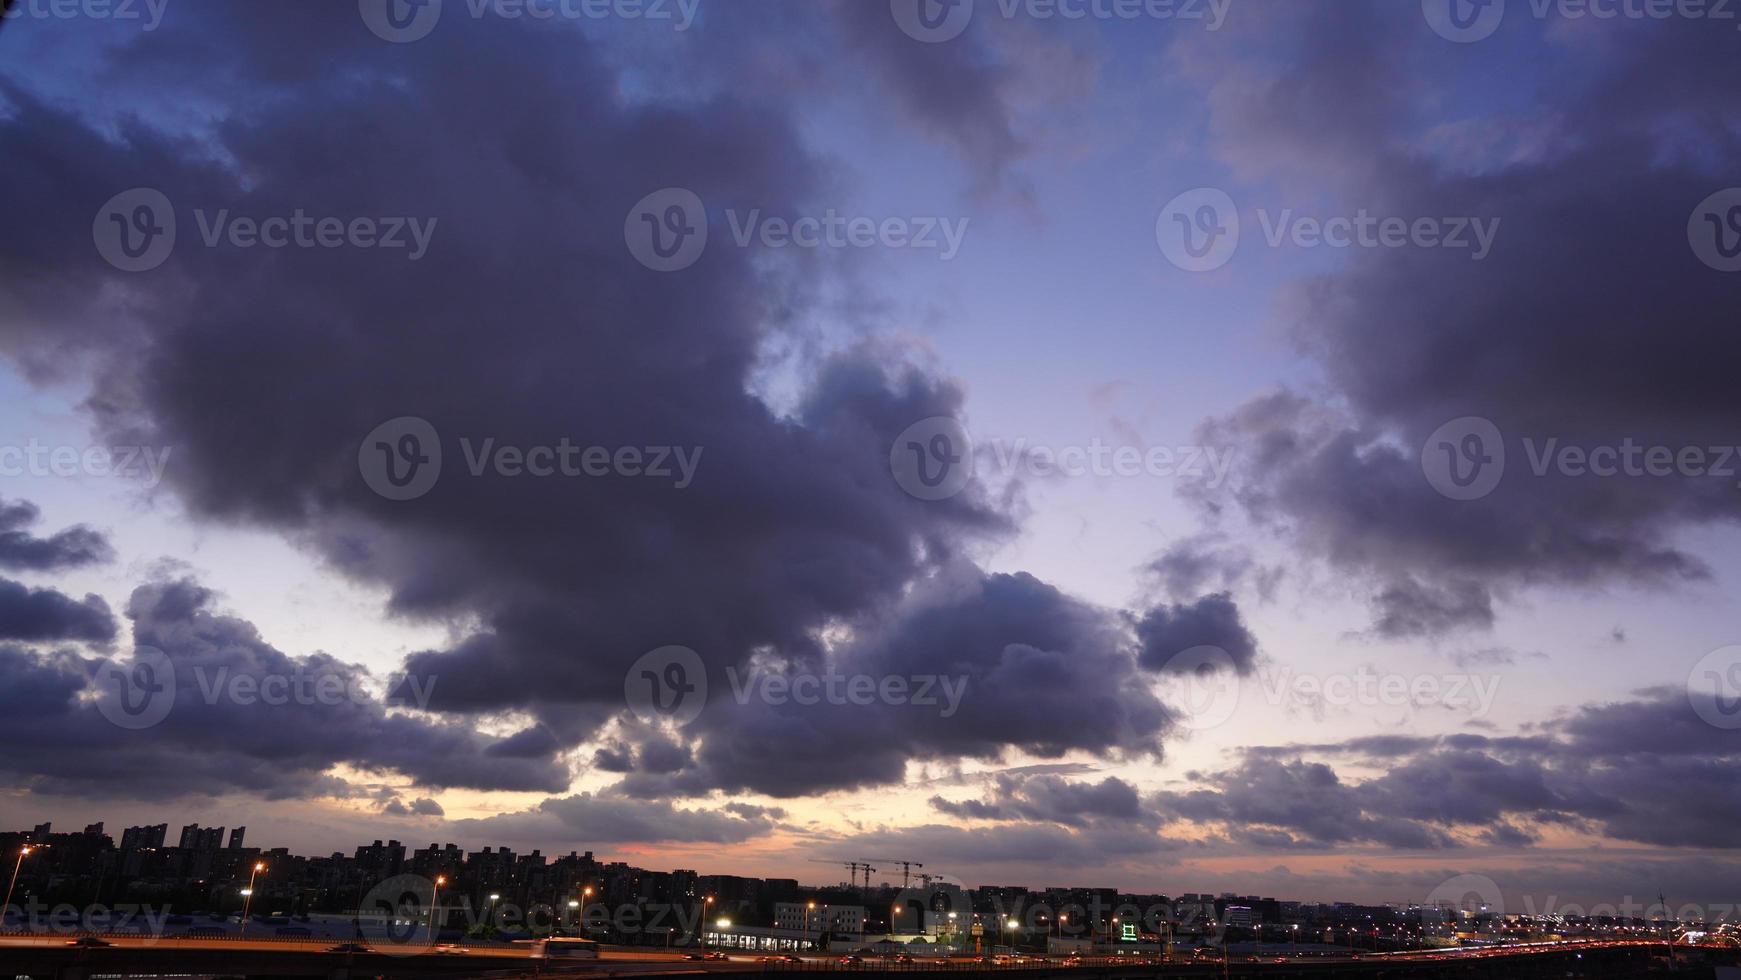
1214	621
1009	647
72	547
1579	276
241	715
1646	770
37	615
610	819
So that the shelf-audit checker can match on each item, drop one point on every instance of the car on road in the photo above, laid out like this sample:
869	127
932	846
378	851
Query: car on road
451	949
89	942
348	948
850	959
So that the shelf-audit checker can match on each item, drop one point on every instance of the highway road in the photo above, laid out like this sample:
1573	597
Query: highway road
632	961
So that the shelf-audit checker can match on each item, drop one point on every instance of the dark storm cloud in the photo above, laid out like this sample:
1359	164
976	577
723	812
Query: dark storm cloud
529	322
1410	608
37	615
609	819
957	92
71	547
1208	562
967	809
1166	631
226	728
1034	670
1592	322
1646	770
1047	798
420	807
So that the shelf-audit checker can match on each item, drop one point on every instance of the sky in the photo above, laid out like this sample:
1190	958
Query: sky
1271	447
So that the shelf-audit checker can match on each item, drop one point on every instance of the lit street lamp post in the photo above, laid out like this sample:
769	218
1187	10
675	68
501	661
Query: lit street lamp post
248	898
22	853
435	904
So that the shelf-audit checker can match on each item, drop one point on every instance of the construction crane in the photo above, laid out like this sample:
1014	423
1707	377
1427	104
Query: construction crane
928	878
906	869
853	868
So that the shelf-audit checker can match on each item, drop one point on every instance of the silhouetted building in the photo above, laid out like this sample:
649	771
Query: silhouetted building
195	838
144	838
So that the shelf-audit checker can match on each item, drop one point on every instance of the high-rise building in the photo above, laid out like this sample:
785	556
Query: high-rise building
144	838
381	861
236	838
94	829
196	838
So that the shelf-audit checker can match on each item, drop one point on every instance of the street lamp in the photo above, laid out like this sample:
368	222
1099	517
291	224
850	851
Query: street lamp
435	903
248	897
15	866
808	908
1010	925
490	913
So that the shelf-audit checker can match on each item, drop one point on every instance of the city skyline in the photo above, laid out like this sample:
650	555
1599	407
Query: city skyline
1106	897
